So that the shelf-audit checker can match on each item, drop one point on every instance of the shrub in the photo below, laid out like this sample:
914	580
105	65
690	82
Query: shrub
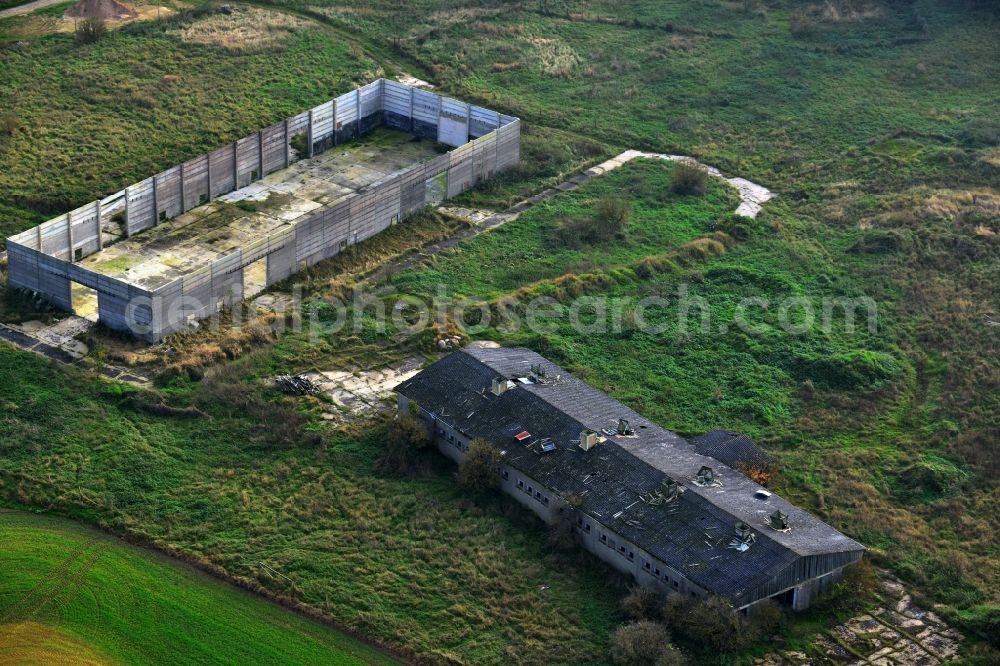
702	248
638	643
408	430
91	30
688	178
980	133
607	224
643	643
853	592
9	123
612	215
480	469
643	602
711	621
714	623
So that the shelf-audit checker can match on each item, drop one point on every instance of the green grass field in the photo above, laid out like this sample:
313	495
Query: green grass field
875	123
72	594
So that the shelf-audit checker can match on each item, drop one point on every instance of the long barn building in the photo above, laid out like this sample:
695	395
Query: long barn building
648	502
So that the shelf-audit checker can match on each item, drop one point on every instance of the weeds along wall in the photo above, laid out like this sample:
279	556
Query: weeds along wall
43	259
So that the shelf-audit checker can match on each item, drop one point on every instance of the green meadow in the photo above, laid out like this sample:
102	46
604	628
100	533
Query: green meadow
73	594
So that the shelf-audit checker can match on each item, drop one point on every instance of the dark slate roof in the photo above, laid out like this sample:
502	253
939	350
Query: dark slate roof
691	534
733	449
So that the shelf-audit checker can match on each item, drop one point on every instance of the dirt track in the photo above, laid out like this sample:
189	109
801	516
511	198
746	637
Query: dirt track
28	8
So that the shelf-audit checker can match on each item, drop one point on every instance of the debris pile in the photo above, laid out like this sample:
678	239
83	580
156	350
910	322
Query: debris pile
295	385
449	343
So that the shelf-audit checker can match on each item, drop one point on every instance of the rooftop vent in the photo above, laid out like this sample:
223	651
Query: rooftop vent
778	521
589	439
668	491
705	476
745	537
762	494
548	446
624	428
501	386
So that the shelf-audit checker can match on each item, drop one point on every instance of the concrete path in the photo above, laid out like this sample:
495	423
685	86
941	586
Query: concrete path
57	353
357	393
897	633
28	8
752	198
752	195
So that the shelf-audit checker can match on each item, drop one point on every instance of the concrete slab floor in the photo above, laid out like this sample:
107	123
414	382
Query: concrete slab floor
197	238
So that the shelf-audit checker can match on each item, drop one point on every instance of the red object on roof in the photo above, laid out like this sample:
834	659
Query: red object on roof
523	435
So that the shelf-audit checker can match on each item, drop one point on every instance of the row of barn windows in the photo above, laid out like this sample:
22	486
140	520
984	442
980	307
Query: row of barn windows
629	554
530	490
583	525
456	441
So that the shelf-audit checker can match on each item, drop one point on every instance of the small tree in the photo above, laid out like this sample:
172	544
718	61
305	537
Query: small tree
612	215
409	431
480	469
562	530
713	622
91	29
406	437
688	178
644	643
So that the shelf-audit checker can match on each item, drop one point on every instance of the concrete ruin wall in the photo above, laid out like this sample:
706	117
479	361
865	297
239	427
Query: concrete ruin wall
484	141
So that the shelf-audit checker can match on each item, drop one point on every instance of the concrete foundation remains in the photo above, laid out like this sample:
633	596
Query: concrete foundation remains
181	245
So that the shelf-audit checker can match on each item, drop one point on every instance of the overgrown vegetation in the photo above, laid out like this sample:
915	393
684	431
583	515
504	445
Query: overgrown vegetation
643	643
877	126
316	523
479	471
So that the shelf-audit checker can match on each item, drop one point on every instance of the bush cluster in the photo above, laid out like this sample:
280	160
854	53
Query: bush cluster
688	179
91	30
607	224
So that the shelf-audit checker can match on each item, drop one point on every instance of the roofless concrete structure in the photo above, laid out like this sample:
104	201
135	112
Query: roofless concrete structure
648	502
184	243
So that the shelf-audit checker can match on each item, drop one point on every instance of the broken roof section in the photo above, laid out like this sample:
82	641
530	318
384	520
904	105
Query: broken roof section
734	449
627	482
